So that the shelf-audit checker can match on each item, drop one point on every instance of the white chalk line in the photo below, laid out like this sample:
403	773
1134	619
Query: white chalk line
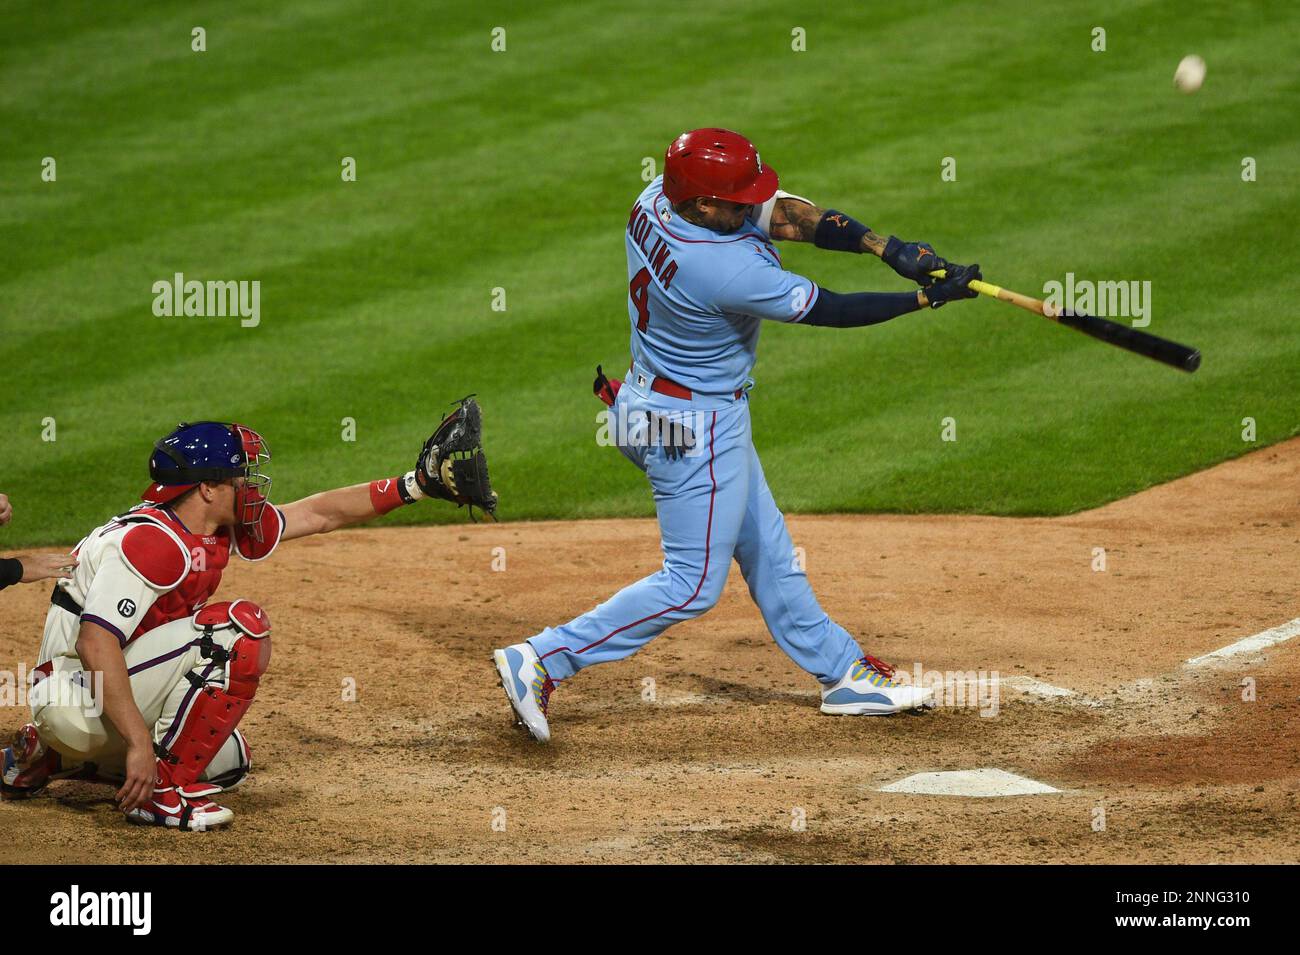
1260	641
1243	647
987	782
1035	687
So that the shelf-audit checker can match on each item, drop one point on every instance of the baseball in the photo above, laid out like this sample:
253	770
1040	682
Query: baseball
1190	73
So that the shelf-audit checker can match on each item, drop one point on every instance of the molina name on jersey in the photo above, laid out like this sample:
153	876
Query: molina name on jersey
697	298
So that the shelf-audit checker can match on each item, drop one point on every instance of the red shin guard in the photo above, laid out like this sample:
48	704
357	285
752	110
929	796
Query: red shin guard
214	712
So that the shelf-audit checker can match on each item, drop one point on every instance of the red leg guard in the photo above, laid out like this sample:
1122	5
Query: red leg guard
214	713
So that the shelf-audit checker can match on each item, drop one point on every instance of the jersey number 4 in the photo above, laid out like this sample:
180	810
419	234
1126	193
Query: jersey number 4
640	298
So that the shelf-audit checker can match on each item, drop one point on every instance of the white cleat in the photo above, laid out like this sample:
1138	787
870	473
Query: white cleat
527	686
868	689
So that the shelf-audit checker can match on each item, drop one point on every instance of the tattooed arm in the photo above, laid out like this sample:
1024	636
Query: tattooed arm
796	221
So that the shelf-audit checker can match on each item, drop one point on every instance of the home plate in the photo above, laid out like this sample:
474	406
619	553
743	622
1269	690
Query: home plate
969	782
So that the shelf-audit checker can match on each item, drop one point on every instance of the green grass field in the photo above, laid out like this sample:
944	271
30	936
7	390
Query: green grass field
479	169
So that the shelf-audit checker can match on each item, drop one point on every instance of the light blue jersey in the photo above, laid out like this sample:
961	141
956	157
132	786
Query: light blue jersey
696	299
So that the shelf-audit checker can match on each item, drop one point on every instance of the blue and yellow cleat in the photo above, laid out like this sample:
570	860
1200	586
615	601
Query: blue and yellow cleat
527	686
868	689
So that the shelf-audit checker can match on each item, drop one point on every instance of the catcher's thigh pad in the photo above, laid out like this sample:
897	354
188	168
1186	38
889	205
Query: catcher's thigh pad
212	710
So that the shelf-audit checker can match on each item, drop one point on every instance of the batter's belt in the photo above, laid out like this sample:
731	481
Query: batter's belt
606	389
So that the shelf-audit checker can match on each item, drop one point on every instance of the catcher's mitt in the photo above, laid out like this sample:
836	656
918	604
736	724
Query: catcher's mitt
452	464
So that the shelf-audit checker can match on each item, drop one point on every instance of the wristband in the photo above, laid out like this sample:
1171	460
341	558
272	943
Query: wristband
410	489
11	571
391	493
839	233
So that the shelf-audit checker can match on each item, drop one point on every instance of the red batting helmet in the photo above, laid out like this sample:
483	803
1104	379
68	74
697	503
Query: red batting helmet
719	164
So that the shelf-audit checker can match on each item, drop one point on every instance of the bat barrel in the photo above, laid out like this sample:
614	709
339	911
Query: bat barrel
1135	340
1131	339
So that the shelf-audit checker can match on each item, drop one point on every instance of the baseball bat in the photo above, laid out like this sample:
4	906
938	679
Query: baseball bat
1131	339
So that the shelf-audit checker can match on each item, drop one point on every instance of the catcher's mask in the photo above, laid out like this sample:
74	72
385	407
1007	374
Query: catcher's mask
212	451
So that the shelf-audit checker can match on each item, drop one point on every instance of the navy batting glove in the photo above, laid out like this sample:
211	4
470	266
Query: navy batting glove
954	286
912	260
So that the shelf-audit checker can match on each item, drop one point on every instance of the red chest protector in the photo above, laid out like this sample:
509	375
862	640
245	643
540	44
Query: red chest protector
208	557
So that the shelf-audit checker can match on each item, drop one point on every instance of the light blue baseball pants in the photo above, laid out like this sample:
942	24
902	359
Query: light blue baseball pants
713	504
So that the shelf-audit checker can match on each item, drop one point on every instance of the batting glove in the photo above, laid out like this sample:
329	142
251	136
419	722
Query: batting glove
912	260
956	285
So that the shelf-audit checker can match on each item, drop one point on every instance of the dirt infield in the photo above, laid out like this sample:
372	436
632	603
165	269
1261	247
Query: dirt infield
723	756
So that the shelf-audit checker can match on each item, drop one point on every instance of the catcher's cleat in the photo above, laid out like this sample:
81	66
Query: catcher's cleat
186	808
28	766
868	689
527	686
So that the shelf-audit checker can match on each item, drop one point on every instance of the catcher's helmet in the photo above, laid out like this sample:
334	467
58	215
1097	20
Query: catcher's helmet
719	164
211	451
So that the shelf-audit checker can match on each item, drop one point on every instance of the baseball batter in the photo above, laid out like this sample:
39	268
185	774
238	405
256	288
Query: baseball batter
703	275
141	679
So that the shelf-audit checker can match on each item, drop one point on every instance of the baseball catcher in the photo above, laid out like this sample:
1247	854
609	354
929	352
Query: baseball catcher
142	677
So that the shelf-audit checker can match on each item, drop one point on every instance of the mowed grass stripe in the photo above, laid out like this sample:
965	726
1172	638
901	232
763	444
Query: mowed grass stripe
291	379
517	170
394	185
